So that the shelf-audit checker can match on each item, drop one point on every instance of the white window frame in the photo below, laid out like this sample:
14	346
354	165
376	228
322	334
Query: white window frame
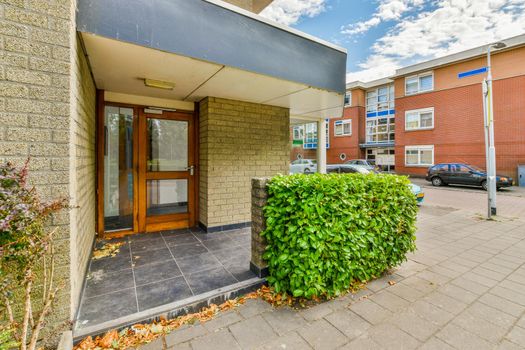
419	149
342	123
301	132
349	94
419	112
419	76
373	94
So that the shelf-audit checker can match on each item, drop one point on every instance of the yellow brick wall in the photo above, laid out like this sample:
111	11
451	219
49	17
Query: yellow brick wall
47	113
82	168
238	141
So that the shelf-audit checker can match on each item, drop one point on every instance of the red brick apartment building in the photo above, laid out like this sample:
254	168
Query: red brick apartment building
426	114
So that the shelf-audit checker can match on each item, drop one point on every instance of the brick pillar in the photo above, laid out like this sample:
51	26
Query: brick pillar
259	200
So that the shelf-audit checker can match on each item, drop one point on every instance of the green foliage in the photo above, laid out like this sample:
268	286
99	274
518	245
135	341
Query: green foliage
325	232
7	340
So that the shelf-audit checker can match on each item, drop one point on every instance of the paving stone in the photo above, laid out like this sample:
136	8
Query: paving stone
420	284
185	334
435	344
489	273
462	339
482	328
488	313
411	323
471	286
157	344
316	312
458	293
181	346
222	321
517	335
219	340
290	341
389	300
284	320
254	307
404	291
508	294
445	302
370	311
349	323
322	335
431	312
252	332
507	345
362	343
389	336
502	304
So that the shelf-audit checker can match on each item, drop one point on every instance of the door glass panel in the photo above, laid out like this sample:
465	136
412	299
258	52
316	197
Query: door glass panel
167	196
167	145
118	168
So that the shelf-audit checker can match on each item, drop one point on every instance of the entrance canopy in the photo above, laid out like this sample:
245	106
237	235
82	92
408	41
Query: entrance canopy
209	48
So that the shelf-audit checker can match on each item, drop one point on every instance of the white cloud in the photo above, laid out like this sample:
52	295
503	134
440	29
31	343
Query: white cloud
288	12
451	26
387	10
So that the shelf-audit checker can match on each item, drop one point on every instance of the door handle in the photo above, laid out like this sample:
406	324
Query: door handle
191	169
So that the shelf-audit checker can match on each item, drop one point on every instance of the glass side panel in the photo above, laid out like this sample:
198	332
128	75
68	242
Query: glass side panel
167	145
167	196
118	168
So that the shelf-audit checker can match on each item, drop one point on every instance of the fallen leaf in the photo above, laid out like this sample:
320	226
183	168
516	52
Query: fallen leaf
392	282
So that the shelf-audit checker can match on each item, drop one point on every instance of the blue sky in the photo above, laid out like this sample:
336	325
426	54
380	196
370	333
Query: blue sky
383	35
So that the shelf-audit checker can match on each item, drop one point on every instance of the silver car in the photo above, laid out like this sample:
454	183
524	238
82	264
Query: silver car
303	166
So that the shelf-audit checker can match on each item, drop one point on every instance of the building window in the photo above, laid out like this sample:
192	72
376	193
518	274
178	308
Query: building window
298	132
310	135
348	99
380	99
419	155
420	119
419	83
380	130
343	127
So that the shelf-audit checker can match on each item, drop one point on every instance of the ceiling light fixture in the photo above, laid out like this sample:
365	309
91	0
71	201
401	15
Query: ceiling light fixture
159	84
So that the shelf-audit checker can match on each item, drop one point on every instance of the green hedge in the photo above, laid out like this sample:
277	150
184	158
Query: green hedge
325	232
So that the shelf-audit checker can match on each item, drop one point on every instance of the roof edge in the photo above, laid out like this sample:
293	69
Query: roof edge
261	19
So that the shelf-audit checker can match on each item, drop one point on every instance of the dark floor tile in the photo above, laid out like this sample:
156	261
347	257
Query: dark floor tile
239	267
99	282
121	261
230	252
156	272
210	236
185	250
218	243
147	244
107	307
179	238
175	232
242	240
209	280
196	263
196	230
100	242
144	236
151	257
164	292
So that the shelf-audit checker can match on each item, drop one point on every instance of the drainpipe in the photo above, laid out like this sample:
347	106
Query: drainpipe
321	146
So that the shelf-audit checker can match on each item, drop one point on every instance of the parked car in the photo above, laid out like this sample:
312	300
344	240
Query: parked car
463	174
370	164
416	190
349	168
362	169
303	166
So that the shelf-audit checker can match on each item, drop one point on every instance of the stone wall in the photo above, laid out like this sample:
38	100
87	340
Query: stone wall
238	141
47	113
82	168
259	200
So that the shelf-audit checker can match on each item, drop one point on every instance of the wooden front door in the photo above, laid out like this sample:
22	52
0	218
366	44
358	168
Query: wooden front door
166	170
147	175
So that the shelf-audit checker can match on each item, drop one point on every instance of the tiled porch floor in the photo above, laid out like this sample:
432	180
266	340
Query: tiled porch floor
156	269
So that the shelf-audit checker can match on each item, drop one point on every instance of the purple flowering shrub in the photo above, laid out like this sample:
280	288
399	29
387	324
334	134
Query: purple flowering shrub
25	246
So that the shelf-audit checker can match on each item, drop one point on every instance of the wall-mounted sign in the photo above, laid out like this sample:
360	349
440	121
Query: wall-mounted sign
472	72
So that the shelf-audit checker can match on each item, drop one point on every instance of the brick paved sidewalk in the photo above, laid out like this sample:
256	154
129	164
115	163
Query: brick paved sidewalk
464	288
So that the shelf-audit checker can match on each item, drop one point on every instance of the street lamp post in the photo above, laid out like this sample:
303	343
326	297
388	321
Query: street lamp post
490	148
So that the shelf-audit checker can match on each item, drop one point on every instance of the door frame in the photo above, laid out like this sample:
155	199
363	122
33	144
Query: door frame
138	113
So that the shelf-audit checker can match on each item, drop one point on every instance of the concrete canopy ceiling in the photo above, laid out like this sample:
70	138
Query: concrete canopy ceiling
121	67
